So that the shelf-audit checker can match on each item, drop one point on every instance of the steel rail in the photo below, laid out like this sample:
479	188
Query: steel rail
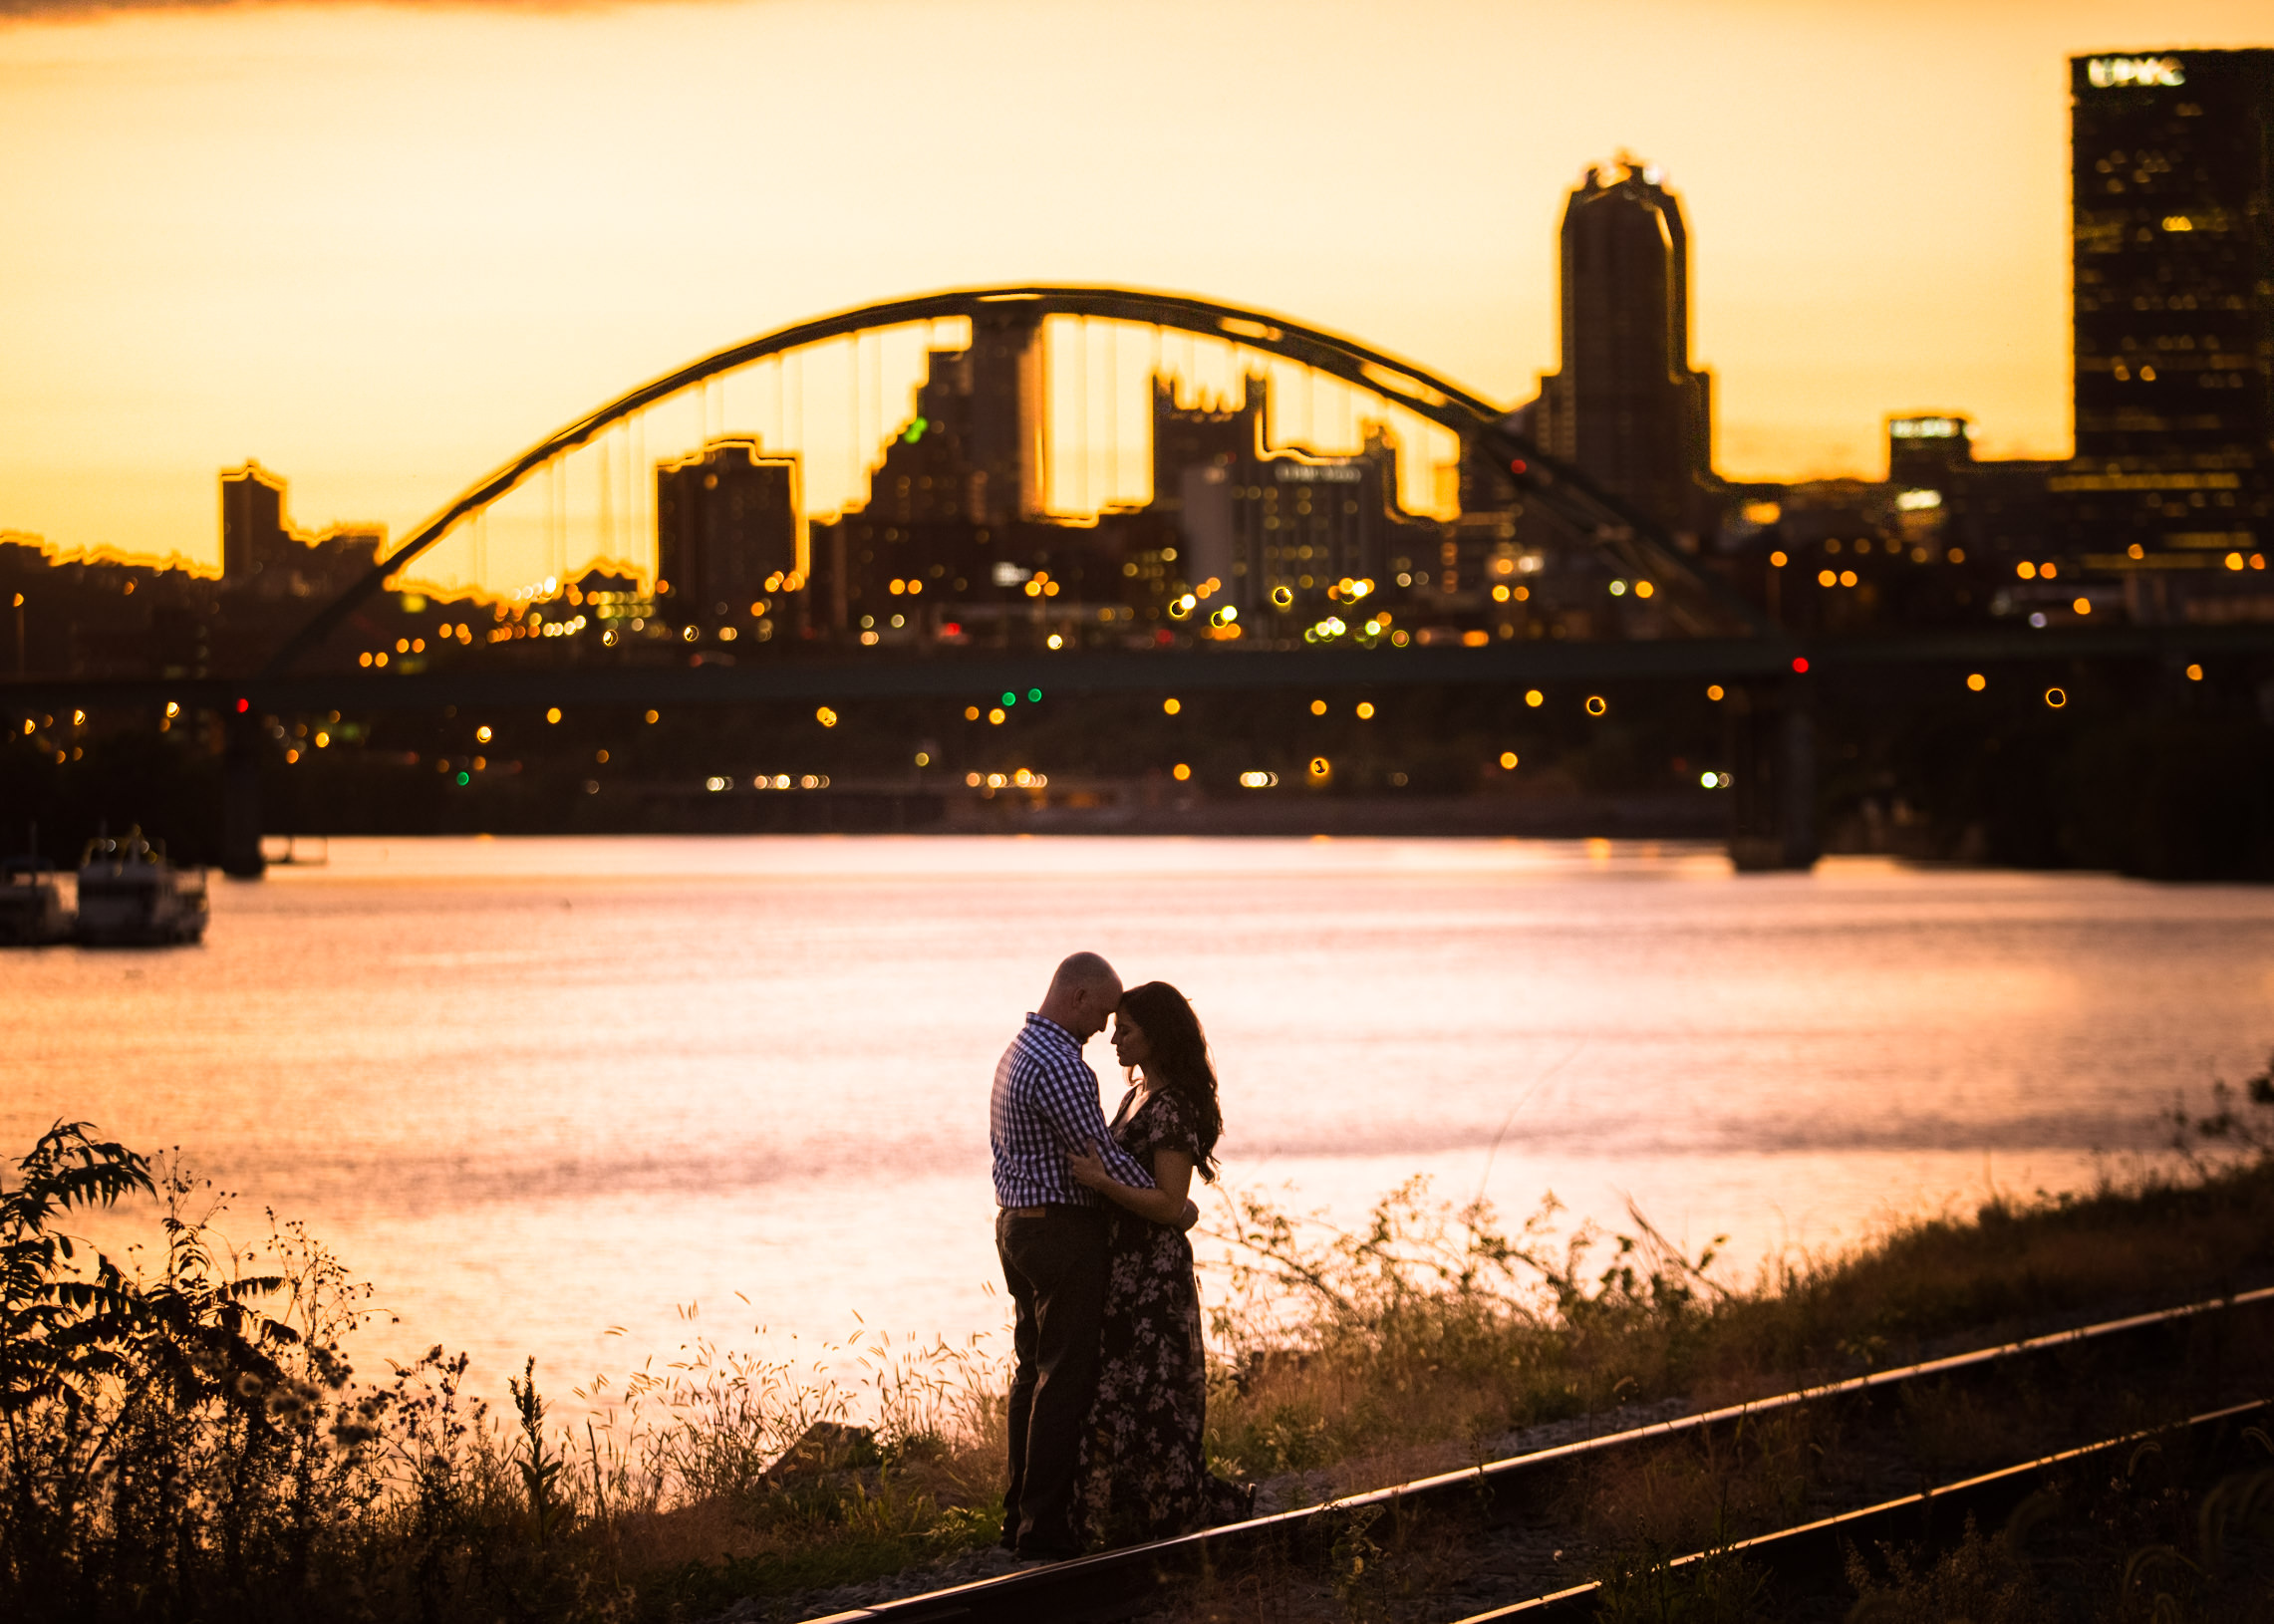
1820	1542
1059	1589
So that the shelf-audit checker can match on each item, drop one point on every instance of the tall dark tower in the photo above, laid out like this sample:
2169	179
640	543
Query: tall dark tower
2172	188
1004	442
256	536
1626	407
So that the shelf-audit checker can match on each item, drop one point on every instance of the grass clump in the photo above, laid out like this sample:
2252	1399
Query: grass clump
2150	1541
1408	1344
736	1479
191	1442
1433	1323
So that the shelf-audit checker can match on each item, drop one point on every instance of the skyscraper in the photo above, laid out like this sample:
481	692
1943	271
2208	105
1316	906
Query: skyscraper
2171	156
1926	450
264	553
1626	407
1002	380
1255	518
256	538
727	529
951	503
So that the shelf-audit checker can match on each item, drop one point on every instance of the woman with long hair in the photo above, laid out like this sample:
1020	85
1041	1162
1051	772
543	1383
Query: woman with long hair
1144	1476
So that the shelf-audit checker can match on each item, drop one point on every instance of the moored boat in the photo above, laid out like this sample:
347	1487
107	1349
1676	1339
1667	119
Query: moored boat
32	913
129	895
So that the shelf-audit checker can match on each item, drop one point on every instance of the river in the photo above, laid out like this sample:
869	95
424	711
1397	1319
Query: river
549	1094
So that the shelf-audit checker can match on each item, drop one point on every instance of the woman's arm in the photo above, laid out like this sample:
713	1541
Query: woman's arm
1167	1202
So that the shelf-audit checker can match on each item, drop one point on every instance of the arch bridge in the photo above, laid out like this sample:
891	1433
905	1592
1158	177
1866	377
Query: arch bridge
1699	603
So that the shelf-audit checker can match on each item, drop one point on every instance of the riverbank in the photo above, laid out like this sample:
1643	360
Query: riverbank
202	1440
1423	1354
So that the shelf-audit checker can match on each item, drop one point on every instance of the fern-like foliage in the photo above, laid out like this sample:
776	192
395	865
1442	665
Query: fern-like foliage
61	1332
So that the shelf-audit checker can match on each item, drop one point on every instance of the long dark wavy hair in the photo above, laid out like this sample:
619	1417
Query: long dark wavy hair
1180	1062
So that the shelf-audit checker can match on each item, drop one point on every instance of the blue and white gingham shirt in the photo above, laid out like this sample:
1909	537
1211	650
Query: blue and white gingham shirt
1045	1105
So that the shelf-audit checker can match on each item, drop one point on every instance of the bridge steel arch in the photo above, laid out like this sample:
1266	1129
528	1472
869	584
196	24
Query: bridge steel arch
1634	540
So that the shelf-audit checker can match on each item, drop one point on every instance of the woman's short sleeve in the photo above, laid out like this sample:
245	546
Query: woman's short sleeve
1171	1128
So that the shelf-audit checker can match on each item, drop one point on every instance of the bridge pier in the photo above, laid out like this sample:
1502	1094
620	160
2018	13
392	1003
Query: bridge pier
1771	749
240	799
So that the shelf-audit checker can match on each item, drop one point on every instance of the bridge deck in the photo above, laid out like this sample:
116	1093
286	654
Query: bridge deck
1733	660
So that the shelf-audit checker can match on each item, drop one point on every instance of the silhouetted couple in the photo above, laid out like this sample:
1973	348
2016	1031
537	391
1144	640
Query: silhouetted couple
1111	1387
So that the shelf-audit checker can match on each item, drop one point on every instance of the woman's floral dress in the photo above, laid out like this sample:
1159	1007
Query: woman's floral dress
1143	1475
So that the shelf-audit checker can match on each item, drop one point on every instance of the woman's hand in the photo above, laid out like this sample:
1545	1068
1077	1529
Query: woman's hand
1165	1204
1089	1170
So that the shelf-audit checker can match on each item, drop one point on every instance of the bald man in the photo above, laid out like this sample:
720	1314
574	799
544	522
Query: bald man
1051	1236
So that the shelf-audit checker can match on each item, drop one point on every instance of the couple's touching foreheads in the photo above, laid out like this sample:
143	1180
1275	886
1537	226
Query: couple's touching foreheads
1111	1386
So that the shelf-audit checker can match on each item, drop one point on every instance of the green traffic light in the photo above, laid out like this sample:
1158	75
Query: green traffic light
465	777
1033	696
1009	699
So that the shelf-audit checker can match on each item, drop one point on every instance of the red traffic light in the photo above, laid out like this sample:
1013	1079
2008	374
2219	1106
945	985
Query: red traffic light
1800	664
244	705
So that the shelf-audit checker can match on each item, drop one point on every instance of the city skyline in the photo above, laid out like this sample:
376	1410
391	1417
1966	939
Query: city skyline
384	375
1127	452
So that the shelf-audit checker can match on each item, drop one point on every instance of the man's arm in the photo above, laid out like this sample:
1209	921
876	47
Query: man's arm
1166	1202
1066	1098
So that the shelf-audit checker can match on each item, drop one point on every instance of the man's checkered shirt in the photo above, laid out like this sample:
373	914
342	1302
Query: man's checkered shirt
1045	1105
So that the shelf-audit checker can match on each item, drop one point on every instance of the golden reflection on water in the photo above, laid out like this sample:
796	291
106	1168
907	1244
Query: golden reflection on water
536	1088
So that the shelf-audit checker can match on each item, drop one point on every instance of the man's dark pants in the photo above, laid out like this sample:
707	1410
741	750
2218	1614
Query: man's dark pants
1054	1264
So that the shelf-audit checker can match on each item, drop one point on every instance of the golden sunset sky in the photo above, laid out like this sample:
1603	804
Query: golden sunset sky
382	247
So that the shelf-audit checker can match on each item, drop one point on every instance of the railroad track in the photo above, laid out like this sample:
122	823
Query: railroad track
1118	1583
1818	1549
